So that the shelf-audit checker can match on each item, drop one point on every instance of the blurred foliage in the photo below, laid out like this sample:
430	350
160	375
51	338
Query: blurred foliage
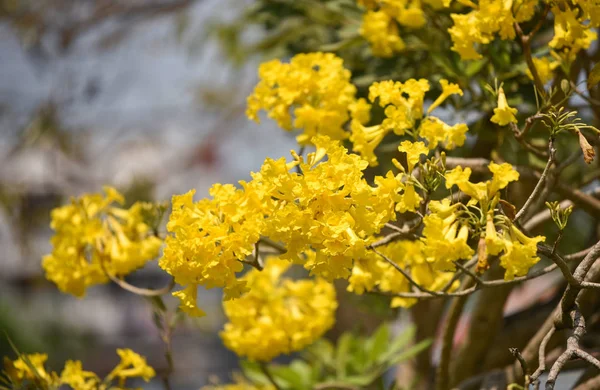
353	362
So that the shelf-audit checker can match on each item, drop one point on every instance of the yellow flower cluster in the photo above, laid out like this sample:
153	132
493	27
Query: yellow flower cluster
372	273
574	21
329	208
404	114
445	236
574	24
488	18
93	235
208	240
278	315
380	24
315	87
30	369
519	251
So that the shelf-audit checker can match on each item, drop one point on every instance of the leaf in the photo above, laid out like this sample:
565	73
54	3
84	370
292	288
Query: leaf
474	67
379	342
253	372
586	148
410	352
322	351
398	343
594	76
364	379
344	345
156	318
508	208
287	377
157	303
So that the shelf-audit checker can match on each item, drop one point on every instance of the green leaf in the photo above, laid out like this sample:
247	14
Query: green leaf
474	67
157	319
322	351
410	352
288	378
398	344
344	345
253	372
594	76
308	375
364	379
379	342
157	303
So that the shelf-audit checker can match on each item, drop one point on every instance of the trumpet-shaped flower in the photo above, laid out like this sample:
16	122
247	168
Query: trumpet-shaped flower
503	114
448	89
503	174
413	151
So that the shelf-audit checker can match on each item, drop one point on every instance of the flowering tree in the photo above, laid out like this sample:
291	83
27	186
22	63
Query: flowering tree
398	197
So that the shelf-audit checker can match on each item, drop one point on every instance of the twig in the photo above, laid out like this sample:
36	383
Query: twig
145	292
406	274
471	274
517	354
526	44
471	290
573	350
541	182
560	262
265	370
542	355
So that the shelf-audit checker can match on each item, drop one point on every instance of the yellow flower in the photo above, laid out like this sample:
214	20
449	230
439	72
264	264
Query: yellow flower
132	365
544	68
413	151
277	315
315	87
409	200
460	177
448	89
92	233
188	305
381	31
503	174
30	369
380	23
494	243
445	241
366	139
74	376
435	132
520	253
503	114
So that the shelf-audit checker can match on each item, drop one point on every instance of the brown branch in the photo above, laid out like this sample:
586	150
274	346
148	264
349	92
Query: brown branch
526	45
442	381
542	355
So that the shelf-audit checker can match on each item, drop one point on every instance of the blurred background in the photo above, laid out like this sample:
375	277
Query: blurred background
136	94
